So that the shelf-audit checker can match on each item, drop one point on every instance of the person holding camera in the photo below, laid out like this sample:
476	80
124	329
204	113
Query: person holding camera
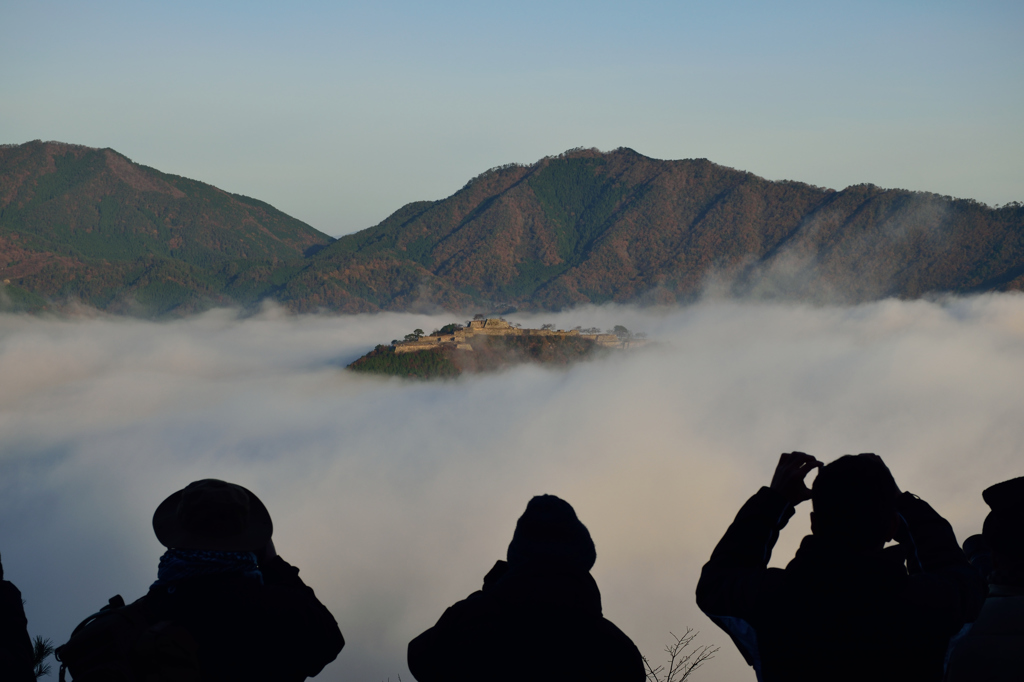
846	607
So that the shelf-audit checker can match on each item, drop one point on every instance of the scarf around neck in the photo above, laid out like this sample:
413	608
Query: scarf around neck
182	564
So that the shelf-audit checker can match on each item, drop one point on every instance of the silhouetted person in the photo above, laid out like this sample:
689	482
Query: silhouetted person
537	618
992	648
845	608
17	662
223	591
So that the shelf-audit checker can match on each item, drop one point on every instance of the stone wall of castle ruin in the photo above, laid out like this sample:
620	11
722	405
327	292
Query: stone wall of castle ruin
461	338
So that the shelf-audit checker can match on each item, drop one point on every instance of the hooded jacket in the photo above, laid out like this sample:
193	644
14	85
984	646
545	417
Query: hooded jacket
533	622
538	616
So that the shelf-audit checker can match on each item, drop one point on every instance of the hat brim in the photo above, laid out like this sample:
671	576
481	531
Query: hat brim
257	532
1006	496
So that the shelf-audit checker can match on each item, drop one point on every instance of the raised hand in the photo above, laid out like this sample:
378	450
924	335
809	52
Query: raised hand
789	476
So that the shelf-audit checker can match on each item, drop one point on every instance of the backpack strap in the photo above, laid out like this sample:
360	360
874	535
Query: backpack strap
121	643
115	602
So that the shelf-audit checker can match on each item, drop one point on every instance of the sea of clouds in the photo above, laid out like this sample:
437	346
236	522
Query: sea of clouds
396	497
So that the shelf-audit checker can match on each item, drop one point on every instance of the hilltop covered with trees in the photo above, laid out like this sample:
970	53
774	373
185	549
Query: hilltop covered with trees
455	349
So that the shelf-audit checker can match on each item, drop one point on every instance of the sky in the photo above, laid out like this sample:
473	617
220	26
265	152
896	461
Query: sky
395	498
338	113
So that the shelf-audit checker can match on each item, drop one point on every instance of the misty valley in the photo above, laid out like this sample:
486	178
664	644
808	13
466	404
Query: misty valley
395	497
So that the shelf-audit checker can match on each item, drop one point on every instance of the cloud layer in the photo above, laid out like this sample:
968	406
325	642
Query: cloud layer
395	498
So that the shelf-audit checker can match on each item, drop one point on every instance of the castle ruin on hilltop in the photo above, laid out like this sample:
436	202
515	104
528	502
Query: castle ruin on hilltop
462	339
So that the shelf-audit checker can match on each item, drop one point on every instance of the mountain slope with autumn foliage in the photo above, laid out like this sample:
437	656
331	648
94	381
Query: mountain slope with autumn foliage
592	227
81	224
89	225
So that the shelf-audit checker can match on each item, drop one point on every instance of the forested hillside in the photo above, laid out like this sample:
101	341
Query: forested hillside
81	224
90	225
591	227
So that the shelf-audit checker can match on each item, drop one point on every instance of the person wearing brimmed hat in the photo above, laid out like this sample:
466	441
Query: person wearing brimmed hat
241	610
537	618
992	648
846	607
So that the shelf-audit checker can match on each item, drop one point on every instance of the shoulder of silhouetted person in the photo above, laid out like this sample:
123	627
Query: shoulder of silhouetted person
16	659
537	617
276	630
992	647
220	586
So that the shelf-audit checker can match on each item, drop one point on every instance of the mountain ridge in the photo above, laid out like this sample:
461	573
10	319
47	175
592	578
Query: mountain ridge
591	227
581	227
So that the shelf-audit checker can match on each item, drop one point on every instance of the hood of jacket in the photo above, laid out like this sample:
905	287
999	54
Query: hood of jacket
539	585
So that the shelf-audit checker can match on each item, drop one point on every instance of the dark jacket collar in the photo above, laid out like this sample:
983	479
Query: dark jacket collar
821	559
544	585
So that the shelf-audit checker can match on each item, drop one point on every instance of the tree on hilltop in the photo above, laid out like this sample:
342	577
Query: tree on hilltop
622	334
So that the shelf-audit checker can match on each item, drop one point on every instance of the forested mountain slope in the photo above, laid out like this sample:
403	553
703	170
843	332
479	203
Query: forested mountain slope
89	224
583	227
593	227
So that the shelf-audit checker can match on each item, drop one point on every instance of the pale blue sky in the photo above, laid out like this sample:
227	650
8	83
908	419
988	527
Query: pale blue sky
339	113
